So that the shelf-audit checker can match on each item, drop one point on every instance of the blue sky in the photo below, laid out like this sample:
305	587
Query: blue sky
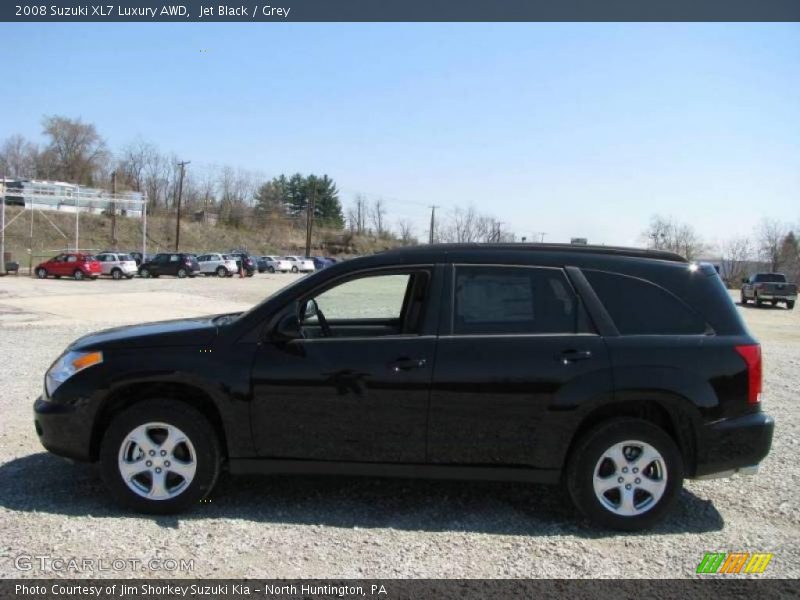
572	129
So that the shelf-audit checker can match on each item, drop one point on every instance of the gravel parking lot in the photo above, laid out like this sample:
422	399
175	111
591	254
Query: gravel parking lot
280	527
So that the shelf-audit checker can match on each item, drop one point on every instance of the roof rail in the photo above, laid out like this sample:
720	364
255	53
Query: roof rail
548	247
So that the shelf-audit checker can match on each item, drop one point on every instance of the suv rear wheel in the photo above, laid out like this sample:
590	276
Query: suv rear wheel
116	274
625	473
222	272
182	273
160	456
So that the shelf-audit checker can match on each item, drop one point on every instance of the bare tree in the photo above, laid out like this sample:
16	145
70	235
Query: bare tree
736	254
770	240
78	150
668	234
18	157
406	232
377	214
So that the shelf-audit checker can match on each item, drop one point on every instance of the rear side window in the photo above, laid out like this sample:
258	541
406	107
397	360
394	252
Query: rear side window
507	300
639	307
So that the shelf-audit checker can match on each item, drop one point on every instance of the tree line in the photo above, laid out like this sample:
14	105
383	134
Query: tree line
75	152
772	243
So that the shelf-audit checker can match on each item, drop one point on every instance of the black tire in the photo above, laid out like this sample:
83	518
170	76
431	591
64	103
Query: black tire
222	272
271	269
182	273
116	274
145	273
295	270
758	302
129	276
790	304
742	299
203	439
586	457
41	273
250	273
78	275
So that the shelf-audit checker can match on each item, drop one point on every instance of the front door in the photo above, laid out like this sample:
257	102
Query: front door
517	346
356	386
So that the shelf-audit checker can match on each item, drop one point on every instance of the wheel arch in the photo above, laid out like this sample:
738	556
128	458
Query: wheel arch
667	411
129	395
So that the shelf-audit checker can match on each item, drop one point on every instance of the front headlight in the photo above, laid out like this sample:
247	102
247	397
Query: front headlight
69	364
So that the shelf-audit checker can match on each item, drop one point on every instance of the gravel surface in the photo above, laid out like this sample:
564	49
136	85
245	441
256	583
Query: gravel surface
275	527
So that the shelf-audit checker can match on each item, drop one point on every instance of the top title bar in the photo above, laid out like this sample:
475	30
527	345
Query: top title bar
405	11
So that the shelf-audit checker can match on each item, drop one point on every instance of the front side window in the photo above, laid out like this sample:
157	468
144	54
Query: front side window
513	300
639	307
375	297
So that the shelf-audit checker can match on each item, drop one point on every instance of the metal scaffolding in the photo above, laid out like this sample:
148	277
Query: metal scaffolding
49	196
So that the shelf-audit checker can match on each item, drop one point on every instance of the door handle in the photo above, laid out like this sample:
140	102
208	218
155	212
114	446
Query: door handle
406	364
571	356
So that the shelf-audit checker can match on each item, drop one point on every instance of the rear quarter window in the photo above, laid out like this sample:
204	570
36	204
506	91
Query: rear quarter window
639	307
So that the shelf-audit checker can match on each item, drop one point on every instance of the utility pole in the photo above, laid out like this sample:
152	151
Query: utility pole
433	223
182	165
114	209
310	217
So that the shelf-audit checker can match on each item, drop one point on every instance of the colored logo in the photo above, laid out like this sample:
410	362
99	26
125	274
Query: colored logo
735	562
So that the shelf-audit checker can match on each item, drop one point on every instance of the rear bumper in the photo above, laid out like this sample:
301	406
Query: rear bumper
779	297
733	445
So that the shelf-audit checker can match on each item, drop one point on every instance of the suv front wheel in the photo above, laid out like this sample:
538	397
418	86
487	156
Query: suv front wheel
625	473
160	457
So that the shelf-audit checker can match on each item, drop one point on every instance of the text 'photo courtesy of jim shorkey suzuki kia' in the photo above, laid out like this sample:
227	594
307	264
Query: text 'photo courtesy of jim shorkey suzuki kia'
616	372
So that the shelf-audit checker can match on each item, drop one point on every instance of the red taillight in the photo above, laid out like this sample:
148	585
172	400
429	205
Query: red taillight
752	357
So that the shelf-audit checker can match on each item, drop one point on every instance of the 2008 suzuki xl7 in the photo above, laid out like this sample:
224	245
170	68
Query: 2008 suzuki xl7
619	372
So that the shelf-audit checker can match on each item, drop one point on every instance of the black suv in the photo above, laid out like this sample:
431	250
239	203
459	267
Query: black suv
179	264
618	372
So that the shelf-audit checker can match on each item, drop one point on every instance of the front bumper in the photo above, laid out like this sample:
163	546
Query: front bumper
63	429
733	445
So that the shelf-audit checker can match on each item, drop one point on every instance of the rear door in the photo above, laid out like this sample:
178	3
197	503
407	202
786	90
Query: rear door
515	344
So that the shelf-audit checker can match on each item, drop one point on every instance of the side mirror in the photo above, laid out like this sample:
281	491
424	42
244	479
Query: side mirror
744	280
287	329
310	310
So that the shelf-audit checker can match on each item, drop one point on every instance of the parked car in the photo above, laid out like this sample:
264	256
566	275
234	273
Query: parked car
222	265
261	264
300	264
276	264
244	259
617	371
179	264
117	265
769	287
77	265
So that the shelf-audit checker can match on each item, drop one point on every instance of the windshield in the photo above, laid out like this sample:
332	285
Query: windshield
287	288
124	257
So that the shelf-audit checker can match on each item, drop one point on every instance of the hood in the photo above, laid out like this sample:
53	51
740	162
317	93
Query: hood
181	332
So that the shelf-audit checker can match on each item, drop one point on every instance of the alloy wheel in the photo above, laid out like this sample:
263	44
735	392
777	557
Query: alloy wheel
157	461
630	478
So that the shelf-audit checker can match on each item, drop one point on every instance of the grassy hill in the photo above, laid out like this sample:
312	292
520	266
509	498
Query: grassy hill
274	237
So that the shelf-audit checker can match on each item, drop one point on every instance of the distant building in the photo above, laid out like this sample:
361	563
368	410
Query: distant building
580	241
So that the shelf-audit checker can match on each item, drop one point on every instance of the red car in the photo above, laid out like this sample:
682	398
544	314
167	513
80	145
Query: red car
76	265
